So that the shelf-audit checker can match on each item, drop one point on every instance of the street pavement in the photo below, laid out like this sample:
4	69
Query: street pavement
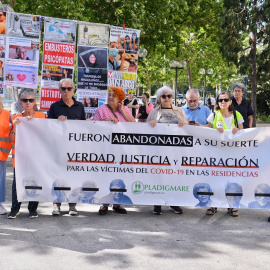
138	240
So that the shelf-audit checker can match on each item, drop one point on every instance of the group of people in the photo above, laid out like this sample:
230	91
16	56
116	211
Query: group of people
225	117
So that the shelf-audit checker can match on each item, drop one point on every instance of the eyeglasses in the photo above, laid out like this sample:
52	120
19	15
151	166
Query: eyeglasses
166	96
224	99
24	100
66	88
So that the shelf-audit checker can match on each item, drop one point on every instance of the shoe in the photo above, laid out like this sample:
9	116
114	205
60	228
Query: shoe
3	210
211	211
73	211
233	212
176	209
120	210
33	214
269	219
56	210
13	214
157	210
103	210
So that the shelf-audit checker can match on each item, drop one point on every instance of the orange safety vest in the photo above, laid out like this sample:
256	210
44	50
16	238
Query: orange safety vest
36	115
5	144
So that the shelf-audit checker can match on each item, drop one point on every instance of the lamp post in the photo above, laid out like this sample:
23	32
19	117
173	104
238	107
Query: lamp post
177	65
203	73
142	53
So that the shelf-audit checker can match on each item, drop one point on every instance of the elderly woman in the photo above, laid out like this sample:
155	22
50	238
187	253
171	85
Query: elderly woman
116	112
166	113
66	108
204	200
224	118
28	103
84	194
5	147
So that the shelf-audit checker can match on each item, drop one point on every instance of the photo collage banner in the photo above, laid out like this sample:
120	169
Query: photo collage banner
106	56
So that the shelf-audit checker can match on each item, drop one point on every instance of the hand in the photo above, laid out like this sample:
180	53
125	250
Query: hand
113	119
153	123
62	118
121	107
16	121
221	130
124	55
181	123
235	130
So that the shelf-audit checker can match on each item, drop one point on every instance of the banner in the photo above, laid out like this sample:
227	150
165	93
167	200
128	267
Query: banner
103	162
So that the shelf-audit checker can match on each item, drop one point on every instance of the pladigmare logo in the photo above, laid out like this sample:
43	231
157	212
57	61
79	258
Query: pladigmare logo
137	187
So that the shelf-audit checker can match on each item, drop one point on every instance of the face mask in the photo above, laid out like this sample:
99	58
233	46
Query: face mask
133	37
122	41
127	41
113	52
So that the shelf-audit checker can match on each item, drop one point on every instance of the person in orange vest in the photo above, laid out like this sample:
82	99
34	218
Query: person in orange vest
5	146
27	100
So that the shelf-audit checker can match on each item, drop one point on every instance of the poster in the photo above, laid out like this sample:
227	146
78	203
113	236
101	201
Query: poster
93	34
124	45
3	22
60	30
91	100
165	165
21	76
51	75
48	96
125	80
23	25
58	54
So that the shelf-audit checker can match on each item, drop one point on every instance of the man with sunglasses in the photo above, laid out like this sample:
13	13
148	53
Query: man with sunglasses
242	105
196	113
67	108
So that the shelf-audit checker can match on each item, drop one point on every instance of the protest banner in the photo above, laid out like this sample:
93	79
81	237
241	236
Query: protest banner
48	96
165	165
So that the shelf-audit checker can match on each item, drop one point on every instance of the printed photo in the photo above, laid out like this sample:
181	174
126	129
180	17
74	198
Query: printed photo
60	30
3	22
22	25
93	34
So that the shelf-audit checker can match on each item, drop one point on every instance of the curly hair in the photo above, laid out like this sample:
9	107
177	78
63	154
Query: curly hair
118	92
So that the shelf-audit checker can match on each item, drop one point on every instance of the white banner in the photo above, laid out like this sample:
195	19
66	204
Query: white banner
133	163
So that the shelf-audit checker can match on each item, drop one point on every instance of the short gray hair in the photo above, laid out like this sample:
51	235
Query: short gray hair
239	85
193	91
66	80
161	91
27	92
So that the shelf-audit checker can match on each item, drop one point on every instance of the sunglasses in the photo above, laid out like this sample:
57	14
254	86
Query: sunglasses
168	96
24	100
224	99
66	88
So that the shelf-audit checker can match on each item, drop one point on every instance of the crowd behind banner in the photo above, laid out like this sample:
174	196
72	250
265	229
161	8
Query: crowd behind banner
106	56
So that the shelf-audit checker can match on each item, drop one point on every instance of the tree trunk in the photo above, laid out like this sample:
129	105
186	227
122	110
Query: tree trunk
189	77
254	63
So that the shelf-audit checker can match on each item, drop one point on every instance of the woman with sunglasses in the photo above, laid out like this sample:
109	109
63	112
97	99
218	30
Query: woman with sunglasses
166	113
225	117
28	102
